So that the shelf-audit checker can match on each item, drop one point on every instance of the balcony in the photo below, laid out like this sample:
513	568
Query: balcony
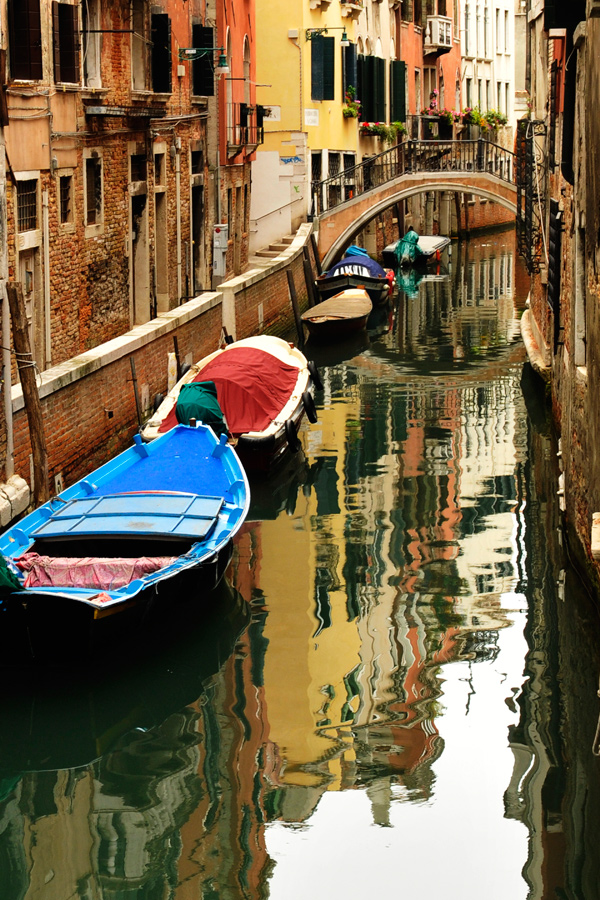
319	4
351	9
244	128
438	35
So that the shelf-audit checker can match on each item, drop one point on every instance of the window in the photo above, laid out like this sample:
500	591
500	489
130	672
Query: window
25	37
506	32
467	30
159	168
322	67
138	167
203	79
349	71
161	53
469	92
406	10
65	32
65	198
93	189
197	162
27	205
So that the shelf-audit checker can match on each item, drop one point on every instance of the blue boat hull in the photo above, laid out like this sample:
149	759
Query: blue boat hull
176	503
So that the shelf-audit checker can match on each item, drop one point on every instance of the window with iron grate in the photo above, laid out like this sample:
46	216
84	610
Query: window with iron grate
66	199
27	205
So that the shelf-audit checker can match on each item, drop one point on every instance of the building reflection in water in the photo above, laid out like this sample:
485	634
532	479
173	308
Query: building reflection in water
377	576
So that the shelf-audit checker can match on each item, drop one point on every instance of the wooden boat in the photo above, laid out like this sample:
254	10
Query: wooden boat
430	247
146	516
264	387
339	316
357	270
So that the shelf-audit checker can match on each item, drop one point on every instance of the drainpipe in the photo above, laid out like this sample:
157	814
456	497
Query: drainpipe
46	243
6	378
6	368
178	204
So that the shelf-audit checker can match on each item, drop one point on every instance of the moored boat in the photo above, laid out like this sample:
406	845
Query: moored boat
152	513
263	387
415	250
339	316
357	270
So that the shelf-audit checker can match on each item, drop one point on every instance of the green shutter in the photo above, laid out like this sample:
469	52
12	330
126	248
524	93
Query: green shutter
316	68
328	68
202	73
398	90
379	89
367	90
322	68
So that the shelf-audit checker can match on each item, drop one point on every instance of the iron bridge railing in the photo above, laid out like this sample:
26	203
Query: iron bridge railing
412	157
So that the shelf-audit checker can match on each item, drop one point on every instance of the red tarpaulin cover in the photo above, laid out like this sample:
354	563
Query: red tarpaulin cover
87	572
252	387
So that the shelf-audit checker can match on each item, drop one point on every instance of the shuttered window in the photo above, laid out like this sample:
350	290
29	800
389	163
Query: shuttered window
25	36
371	80
161	53
322	67
203	76
349	68
65	35
398	90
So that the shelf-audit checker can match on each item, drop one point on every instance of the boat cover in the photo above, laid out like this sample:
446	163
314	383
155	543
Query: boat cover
360	265
86	572
252	388
408	250
198	400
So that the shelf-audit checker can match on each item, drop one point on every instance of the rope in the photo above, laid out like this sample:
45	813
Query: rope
596	741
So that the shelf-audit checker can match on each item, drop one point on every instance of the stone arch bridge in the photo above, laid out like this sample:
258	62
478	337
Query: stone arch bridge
345	203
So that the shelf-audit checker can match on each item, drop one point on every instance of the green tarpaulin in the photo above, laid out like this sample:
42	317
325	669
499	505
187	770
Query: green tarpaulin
198	400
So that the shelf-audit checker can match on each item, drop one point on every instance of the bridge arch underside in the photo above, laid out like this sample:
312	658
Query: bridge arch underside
370	210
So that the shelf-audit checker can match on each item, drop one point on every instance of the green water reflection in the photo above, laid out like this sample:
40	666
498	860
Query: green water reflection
396	695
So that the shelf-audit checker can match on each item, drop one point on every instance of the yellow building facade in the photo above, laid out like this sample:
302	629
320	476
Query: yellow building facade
304	63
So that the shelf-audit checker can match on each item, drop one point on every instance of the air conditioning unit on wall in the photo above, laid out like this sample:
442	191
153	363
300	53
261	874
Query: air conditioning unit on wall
438	34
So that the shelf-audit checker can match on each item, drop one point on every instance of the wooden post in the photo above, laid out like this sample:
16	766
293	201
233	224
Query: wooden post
135	392
315	250
295	307
177	360
309	279
33	407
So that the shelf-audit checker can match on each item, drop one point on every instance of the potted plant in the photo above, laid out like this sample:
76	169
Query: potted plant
494	118
387	133
351	109
473	119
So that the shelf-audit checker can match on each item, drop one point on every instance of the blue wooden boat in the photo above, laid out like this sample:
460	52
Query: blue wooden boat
153	512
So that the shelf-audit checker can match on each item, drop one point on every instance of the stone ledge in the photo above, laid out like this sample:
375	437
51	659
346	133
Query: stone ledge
14	499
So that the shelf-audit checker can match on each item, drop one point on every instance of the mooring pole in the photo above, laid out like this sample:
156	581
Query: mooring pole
295	307
33	407
135	391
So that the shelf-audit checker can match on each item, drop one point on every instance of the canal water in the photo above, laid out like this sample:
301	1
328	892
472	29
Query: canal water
394	693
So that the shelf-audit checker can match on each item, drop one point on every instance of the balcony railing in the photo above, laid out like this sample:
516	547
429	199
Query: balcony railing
413	157
244	128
